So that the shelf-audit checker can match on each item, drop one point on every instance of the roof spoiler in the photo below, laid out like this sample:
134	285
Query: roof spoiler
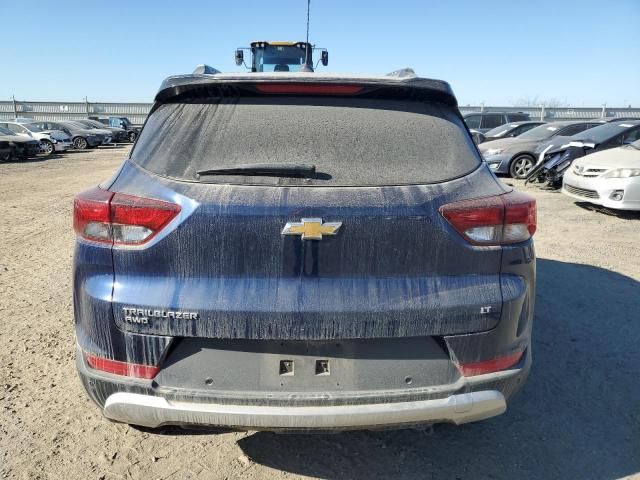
402	84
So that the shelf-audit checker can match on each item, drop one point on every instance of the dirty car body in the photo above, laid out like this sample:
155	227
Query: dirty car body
303	252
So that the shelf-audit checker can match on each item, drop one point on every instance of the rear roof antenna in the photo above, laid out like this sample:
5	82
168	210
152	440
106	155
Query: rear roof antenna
306	67
205	69
407	72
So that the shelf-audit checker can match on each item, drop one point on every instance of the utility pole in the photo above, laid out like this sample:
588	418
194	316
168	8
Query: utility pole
86	103
15	107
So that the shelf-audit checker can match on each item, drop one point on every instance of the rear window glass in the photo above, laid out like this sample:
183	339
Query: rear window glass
351	141
603	132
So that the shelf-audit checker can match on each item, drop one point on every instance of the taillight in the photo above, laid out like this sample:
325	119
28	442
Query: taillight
497	220
91	215
309	88
121	368
119	219
489	366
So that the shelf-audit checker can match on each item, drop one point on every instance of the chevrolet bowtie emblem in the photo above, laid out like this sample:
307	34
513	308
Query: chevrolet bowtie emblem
311	228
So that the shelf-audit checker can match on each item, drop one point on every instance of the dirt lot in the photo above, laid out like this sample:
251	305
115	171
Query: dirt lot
578	416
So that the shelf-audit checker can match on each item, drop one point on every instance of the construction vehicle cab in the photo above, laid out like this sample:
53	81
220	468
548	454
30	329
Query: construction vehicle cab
281	56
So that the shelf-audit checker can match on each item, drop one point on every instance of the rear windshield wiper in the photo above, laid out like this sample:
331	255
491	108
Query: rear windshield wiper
263	169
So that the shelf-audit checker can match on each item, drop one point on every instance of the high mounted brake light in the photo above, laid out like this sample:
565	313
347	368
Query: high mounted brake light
311	88
497	220
119	219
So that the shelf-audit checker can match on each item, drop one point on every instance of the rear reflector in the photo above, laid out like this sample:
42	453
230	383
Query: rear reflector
497	220
311	89
489	366
121	368
115	218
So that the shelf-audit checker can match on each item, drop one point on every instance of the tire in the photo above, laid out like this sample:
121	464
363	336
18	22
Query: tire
132	137
48	147
80	143
521	166
5	157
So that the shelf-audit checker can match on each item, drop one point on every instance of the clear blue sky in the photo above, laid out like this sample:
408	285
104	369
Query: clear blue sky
584	52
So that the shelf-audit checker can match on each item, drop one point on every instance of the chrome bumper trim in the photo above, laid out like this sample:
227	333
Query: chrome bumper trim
151	411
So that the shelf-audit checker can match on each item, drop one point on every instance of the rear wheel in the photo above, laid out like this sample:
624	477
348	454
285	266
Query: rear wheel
6	156
47	147
132	137
521	166
80	143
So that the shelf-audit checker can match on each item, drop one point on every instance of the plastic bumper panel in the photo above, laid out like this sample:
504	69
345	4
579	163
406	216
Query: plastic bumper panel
140	402
604	189
498	163
150	411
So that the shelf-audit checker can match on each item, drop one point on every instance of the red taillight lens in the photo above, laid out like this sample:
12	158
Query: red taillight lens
121	368
520	209
498	220
102	216
311	88
489	366
91	215
136	220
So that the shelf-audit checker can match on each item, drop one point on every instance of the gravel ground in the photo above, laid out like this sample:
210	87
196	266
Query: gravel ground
578	416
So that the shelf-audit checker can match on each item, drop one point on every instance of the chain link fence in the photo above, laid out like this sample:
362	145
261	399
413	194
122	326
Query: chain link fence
137	112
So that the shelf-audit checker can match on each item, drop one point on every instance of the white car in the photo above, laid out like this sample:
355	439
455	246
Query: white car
50	140
610	178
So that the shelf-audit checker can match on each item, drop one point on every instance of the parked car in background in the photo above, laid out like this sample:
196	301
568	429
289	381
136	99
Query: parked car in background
19	146
118	135
50	142
517	156
557	158
362	295
616	119
610	178
511	129
484	121
120	122
102	130
81	136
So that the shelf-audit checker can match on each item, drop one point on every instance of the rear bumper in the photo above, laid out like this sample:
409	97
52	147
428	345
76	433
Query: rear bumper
142	402
150	411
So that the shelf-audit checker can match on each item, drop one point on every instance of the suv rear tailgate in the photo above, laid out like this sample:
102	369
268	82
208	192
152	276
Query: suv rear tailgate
395	269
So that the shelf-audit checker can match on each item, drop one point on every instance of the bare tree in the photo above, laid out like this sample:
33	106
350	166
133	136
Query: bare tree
536	101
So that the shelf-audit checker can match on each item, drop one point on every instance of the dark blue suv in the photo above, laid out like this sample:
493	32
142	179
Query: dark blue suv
303	252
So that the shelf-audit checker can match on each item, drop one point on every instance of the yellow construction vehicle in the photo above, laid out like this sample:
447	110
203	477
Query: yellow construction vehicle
281	56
